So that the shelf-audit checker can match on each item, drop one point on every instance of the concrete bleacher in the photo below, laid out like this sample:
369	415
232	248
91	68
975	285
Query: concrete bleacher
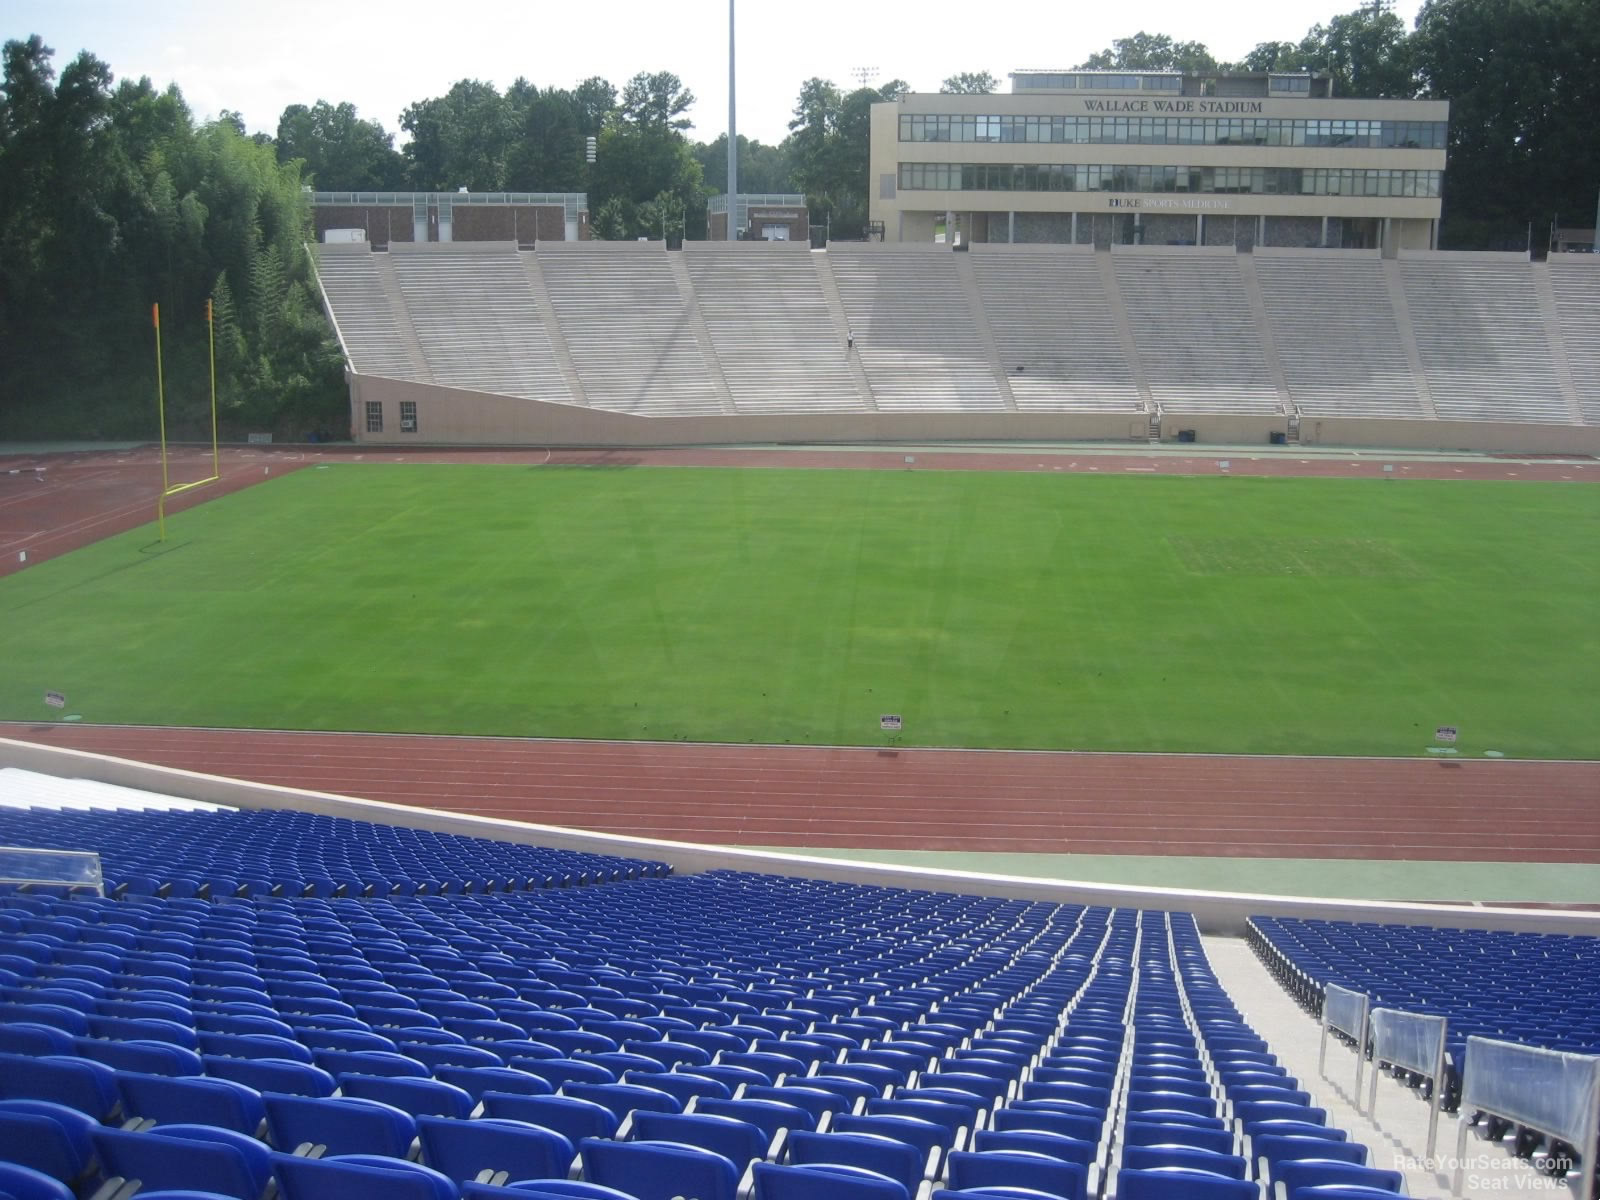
1194	329
475	319
771	328
374	342
914	330
1481	335
628	328
1337	336
1054	328
1575	280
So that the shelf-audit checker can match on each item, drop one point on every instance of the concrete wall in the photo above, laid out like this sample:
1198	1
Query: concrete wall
1217	912
458	417
454	416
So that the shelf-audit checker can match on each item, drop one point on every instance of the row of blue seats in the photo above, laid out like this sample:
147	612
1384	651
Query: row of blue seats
1537	989
251	852
1012	1120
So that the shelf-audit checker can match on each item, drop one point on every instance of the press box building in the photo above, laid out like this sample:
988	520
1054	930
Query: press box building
1160	158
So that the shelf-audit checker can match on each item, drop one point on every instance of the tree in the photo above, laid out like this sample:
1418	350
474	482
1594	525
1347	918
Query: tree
459	139
341	152
643	155
829	147
970	83
113	199
1152	52
762	168
656	101
546	152
1521	80
1366	51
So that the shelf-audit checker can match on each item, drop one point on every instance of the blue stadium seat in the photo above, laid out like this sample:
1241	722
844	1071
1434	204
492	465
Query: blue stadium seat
89	1087
659	1170
359	1177
1018	1168
740	1142
197	1100
187	1156
419	1097
510	1150
572	1118
829	1182
1310	1172
1147	1157
47	1137
24	1183
1176	1183
338	1124
271	1075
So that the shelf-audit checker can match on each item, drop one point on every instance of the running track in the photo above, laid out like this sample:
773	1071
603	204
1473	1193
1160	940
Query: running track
834	797
1216	806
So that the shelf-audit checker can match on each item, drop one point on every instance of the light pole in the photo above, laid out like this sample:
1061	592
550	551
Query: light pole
733	139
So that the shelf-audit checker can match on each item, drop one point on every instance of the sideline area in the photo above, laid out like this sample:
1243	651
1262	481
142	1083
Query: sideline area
1357	879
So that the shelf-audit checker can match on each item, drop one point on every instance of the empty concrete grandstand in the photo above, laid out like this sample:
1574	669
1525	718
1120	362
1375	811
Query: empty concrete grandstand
628	344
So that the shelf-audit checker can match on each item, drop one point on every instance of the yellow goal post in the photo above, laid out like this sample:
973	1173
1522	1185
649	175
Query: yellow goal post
168	489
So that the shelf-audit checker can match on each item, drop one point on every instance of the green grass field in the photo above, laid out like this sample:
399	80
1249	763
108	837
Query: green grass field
990	609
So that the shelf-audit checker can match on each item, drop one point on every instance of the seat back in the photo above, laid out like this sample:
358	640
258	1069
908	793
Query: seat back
359	1177
659	1170
196	1100
340	1125
462	1150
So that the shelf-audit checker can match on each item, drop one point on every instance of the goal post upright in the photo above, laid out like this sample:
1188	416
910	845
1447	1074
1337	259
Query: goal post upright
167	488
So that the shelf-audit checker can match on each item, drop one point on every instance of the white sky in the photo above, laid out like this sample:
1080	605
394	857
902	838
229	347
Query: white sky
261	56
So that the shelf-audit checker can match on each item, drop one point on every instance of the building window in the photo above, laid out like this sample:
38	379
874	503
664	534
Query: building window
1100	177
408	416
1176	131
374	416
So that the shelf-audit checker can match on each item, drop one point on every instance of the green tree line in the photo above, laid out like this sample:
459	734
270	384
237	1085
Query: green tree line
112	195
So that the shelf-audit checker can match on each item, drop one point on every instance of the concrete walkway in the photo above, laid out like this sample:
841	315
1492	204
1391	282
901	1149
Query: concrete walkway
1398	1139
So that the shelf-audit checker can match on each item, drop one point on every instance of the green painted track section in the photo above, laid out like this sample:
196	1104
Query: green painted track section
1358	879
990	609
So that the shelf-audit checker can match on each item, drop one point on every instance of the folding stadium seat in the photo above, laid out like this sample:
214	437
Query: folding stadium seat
740	1142
1251	1112
475	1081
493	1150
196	1101
31	1038
684	1086
47	1137
854	1091
1165	1101
939	1105
659	1170
1268	1150
623	1098
338	1125
1193	1158
24	1183
775	1118
89	1087
359	1177
151	1058
572	1118
271	1074
419	1097
824	1182
1295	1174
542	1189
897	1160
1083	1125
1020	1169
1176	1183
197	1157
247	1045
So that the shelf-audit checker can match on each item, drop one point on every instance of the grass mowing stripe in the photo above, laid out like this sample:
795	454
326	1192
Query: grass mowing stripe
990	609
